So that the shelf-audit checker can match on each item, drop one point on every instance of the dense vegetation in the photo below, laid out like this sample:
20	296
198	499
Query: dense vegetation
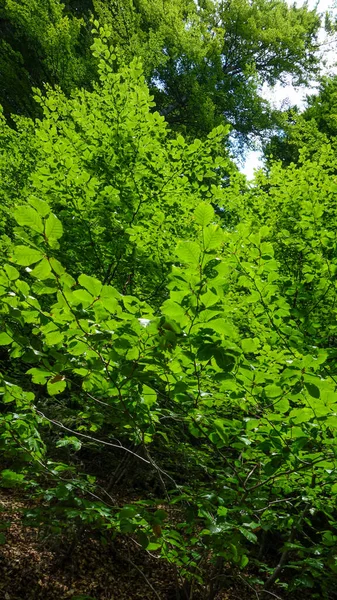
163	321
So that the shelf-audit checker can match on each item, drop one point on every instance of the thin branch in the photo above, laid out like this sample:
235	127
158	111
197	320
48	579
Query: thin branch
143	575
92	439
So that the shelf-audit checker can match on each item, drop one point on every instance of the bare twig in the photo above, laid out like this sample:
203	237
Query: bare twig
250	586
143	575
92	439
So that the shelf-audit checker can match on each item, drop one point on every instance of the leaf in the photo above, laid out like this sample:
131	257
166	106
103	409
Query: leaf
69	441
12	272
160	514
244	561
220	326
249	535
204	214
56	386
127	512
149	396
213	237
83	297
224	360
249	345
91	284
78	348
206	351
53	338
312	389
11	478
39	375
5	339
28	217
53	228
42	270
273	391
282	406
209	299
264	232
25	256
172	309
188	252
143	539
40	205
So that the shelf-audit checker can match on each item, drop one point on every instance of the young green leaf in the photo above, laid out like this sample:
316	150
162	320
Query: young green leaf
312	389
12	272
213	237
188	252
53	228
40	205
5	339
25	256
56	386
28	217
91	284
203	214
42	270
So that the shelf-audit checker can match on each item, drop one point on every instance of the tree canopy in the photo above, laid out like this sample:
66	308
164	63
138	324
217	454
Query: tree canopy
204	62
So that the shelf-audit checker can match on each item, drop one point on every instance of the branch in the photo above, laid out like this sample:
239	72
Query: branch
92	439
143	575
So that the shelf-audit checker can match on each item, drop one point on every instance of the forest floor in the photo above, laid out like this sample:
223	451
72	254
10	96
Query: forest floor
32	568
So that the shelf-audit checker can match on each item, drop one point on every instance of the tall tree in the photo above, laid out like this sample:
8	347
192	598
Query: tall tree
243	45
205	62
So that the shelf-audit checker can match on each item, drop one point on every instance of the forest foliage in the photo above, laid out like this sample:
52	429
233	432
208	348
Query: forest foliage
162	320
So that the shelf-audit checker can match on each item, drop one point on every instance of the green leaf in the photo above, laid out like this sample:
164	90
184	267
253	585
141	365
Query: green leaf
54	338
127	512
53	228
224	360
203	214
12	272
273	391
56	385
143	539
83	297
206	351
5	339
173	309
69	441
220	326
39	375
25	256
91	284
11	478
249	535
40	205
42	270
149	396
249	345
264	232
213	237
244	561
312	389
188	252
27	216
282	406
78	348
